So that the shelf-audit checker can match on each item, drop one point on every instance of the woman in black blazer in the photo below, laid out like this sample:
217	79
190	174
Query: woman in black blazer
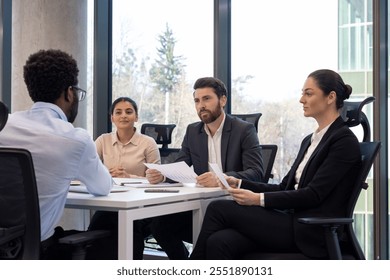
262	216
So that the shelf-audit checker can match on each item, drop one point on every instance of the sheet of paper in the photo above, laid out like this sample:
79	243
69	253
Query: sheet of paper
217	171
177	171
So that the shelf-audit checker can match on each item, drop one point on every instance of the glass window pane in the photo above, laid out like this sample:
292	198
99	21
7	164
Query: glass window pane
273	51
158	53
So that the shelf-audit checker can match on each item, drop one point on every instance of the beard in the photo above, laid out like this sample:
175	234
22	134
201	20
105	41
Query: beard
211	116
74	108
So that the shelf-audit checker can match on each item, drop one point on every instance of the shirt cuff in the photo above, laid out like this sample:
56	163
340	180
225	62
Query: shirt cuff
262	199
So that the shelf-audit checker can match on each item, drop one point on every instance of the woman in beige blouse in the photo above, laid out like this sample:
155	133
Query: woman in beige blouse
124	153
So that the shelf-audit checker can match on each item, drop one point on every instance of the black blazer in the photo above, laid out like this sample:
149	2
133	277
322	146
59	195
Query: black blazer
240	149
324	186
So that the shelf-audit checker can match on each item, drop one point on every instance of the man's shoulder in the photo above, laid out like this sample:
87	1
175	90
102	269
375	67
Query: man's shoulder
195	126
235	123
79	134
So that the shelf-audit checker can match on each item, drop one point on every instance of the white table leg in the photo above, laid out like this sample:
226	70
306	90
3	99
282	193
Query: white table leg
125	235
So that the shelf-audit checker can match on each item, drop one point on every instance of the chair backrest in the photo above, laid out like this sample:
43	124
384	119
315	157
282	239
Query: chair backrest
3	115
252	118
168	155
353	115
268	153
19	206
161	133
369	151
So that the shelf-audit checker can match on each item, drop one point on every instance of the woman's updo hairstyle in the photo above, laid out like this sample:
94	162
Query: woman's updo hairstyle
329	80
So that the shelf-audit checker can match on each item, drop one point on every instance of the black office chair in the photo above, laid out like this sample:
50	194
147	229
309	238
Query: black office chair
20	230
3	115
268	153
162	134
252	118
345	246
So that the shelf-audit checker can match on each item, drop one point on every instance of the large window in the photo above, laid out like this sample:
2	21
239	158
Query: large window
273	51
159	49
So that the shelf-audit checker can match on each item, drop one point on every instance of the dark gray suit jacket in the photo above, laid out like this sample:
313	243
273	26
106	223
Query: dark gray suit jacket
240	149
324	186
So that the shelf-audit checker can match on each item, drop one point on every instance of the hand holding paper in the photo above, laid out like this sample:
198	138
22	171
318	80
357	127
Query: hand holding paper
177	171
217	171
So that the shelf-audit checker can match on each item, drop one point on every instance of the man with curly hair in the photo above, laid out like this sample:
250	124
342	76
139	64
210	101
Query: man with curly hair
60	151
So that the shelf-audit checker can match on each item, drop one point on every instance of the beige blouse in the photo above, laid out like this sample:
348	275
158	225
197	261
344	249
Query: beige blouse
141	148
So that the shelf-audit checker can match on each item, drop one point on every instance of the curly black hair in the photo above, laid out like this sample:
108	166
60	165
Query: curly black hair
48	73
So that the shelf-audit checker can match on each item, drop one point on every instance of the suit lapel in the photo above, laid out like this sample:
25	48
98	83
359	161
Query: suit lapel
203	150
226	132
334	126
305	145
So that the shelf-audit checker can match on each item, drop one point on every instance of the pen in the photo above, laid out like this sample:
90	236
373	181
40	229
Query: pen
128	183
161	191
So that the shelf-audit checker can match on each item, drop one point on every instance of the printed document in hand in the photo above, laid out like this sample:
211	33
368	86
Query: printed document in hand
177	171
217	171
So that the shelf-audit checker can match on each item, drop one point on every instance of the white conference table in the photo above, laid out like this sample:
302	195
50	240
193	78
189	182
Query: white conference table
135	204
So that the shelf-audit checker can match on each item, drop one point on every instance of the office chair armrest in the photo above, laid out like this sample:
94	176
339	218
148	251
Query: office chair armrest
8	234
84	238
79	242
330	226
326	222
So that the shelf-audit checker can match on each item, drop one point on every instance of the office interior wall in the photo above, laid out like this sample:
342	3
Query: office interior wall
43	24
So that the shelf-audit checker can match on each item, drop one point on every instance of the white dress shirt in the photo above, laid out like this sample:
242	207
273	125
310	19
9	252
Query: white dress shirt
315	140
214	144
60	153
